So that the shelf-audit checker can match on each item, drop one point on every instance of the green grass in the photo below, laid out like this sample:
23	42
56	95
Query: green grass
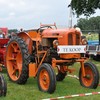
68	86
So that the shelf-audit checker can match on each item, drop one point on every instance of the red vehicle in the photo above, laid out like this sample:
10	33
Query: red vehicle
3	42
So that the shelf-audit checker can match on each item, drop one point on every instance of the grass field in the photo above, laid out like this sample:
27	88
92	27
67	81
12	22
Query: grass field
93	36
68	86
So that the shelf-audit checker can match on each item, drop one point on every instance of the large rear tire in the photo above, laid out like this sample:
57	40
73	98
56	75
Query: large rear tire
17	60
46	78
91	80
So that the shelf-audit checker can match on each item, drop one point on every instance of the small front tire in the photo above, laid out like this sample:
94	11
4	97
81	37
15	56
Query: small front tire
91	80
46	78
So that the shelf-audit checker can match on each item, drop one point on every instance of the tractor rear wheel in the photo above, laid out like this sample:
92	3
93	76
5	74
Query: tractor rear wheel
91	80
46	78
17	60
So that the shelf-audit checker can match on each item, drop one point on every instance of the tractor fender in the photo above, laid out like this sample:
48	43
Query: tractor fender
29	37
26	37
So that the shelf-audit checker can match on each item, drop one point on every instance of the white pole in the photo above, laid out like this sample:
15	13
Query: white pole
70	18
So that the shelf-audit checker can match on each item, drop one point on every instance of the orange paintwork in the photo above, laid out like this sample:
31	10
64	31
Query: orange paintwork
64	40
41	61
15	60
88	79
25	36
32	69
68	56
62	36
44	79
29	37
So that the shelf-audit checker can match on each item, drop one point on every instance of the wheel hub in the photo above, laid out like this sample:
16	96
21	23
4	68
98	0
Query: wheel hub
44	79
88	77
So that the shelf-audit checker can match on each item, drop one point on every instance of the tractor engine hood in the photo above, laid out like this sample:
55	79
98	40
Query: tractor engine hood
57	33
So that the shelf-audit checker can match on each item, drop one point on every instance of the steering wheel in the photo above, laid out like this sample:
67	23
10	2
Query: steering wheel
41	28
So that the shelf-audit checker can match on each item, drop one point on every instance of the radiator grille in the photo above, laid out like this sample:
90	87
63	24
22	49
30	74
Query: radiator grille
77	39
73	39
70	39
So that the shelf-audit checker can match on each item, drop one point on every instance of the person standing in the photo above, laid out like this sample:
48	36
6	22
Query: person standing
89	36
78	29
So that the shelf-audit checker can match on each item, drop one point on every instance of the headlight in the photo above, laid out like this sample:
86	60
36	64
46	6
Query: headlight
84	41
55	43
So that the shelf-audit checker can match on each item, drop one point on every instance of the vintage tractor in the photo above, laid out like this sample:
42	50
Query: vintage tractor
47	53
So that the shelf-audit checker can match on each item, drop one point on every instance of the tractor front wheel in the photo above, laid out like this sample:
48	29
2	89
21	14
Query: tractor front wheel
91	80
46	78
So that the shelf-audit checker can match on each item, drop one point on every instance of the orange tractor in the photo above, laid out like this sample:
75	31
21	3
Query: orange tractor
38	52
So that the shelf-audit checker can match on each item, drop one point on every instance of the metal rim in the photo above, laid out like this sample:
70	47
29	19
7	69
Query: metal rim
14	61
44	79
88	79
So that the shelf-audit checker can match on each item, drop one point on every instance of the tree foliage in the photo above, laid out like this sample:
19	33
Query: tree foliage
92	23
12	30
86	7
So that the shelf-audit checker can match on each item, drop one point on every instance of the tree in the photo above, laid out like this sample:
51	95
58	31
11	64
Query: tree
12	30
92	23
86	7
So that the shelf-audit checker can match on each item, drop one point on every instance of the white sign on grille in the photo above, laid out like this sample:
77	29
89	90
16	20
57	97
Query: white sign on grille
71	49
